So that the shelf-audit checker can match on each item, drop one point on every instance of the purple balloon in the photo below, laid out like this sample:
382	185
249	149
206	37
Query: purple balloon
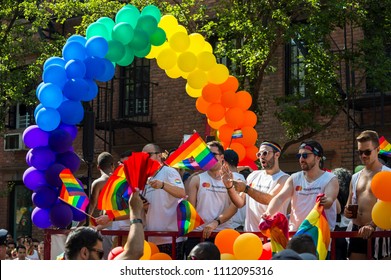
41	217
60	140
41	158
34	178
70	160
61	215
44	197
52	175
28	157
71	129
33	137
78	215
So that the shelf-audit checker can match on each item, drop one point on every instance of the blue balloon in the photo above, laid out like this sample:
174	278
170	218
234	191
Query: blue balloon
34	179
70	160
71	112
77	38
50	96
55	74
74	50
41	217
94	67
41	84
92	91
45	197
75	68
39	107
42	157
108	73
33	137
71	129
55	60
97	46
60	141
48	119
75	89
61	215
52	175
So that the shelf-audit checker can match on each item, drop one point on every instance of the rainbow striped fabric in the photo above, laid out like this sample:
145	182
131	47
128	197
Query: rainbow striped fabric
237	134
193	151
72	192
187	217
317	226
276	228
111	197
385	147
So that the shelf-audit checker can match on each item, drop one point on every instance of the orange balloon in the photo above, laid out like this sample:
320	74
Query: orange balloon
202	105
381	185
239	149
244	100
227	257
154	248
250	136
234	117
231	84
147	251
211	93
248	246
225	133
228	99
218	124
266	252
225	239
251	153
250	118
161	256
215	112
381	214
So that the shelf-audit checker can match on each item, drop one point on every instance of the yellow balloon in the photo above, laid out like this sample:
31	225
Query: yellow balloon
208	47
169	24
154	248
166	59
381	214
227	257
248	246
192	92
174	72
179	42
147	251
197	79
197	42
206	60
187	61
181	28
155	50
218	74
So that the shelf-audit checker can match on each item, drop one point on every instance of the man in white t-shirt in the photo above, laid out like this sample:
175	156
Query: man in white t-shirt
163	191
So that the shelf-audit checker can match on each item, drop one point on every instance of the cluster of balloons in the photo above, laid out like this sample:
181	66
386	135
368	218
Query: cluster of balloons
151	252
381	188
49	154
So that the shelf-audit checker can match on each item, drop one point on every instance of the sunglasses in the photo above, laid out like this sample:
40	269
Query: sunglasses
216	154
303	155
366	152
99	252
264	153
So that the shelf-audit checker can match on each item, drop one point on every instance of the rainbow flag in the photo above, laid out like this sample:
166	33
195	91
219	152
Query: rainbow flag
187	217
237	134
111	196
317	226
385	147
194	148
276	228
72	192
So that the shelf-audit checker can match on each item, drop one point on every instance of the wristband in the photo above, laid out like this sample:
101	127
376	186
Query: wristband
230	186
135	221
218	221
246	189
162	186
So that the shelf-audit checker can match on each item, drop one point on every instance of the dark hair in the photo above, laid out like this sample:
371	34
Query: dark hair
105	160
79	238
231	157
125	154
302	243
216	144
314	147
344	176
21	247
205	251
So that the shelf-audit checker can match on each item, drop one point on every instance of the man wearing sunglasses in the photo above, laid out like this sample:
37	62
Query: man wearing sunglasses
262	186
303	187
360	193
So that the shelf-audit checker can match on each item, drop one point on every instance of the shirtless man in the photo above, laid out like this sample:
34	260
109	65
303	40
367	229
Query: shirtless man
360	193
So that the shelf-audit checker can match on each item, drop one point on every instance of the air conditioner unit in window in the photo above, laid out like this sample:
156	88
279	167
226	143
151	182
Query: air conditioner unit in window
13	142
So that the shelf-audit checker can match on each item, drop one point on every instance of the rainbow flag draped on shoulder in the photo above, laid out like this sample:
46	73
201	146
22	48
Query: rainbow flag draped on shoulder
187	217
385	147
72	192
194	154
317	226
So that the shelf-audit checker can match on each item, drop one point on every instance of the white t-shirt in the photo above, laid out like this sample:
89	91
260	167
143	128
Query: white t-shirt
240	216
161	214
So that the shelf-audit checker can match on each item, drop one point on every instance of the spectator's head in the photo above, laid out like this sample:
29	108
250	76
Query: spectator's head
344	176
368	147
154	151
124	156
3	244
105	162
231	157
84	243
204	251
310	155
302	243
289	254
21	251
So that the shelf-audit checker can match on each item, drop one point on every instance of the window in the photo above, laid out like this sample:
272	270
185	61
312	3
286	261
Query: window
22	208
135	88
19	116
294	70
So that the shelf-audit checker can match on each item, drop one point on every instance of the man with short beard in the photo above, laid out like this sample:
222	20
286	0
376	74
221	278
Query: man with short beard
303	187
262	186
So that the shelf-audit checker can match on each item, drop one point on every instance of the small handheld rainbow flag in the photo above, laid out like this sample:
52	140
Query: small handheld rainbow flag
187	217
72	192
194	148
385	147
317	226
237	134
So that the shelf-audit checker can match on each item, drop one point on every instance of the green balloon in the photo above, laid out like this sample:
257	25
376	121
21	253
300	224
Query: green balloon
144	52
147	23
140	40
128	57
97	29
152	11
158	37
358	168
129	14
108	22
116	51
123	32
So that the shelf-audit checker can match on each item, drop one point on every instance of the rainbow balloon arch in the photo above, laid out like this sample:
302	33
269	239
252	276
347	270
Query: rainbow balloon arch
72	79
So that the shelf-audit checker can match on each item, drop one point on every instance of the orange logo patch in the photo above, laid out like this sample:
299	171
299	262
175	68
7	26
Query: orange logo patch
205	185
298	188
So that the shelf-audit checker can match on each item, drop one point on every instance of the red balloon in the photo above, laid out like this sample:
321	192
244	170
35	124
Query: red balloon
267	251
115	252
